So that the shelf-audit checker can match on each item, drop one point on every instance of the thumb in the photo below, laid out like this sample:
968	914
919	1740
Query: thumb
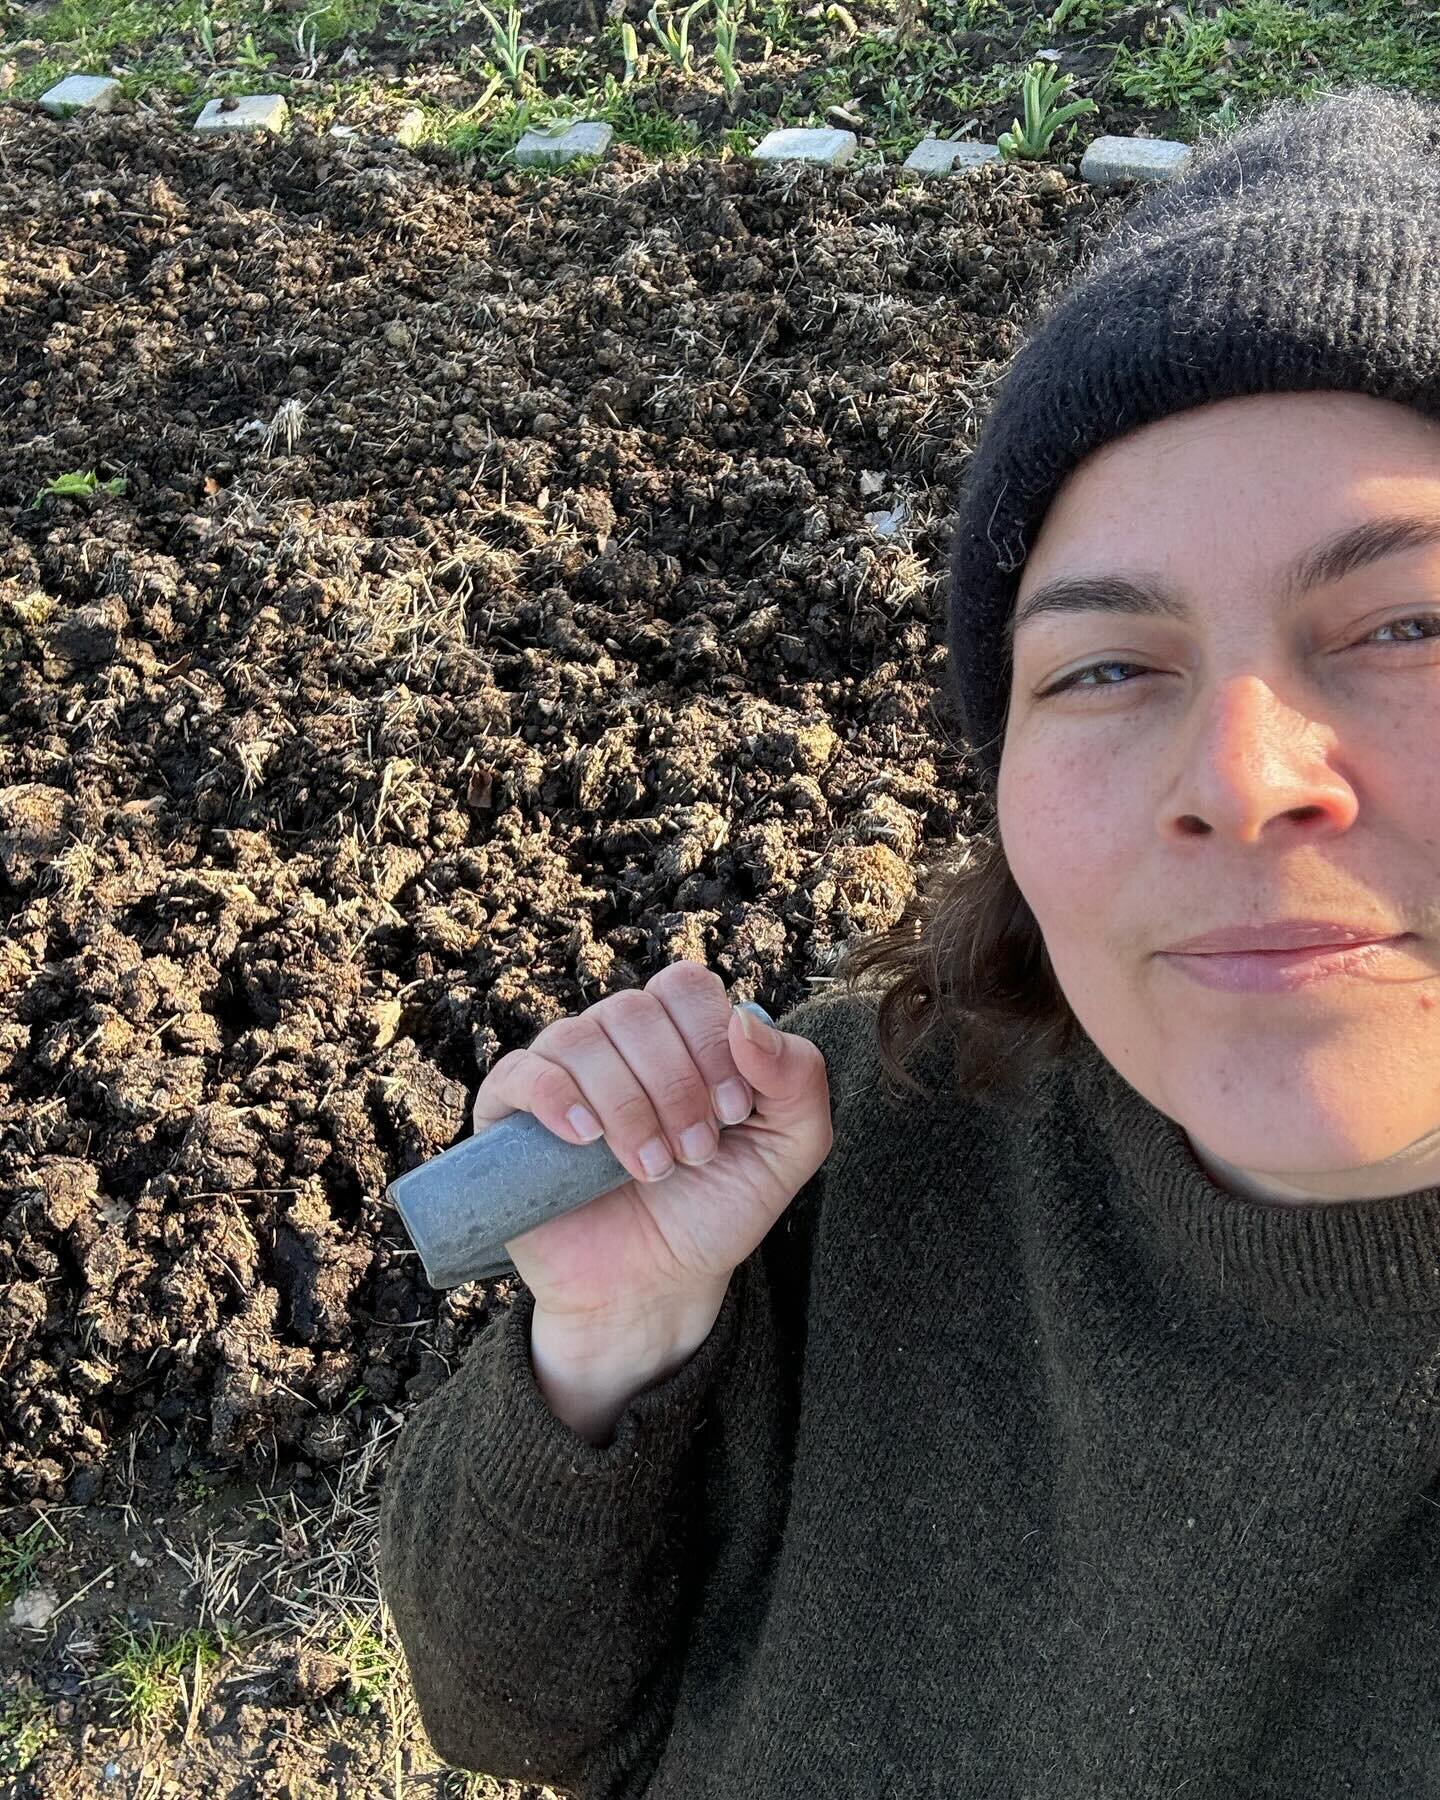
775	1063
791	1120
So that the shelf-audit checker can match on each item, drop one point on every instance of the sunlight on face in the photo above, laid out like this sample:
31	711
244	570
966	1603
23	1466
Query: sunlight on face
1259	749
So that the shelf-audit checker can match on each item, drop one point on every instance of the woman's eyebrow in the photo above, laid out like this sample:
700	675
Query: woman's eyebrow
1328	561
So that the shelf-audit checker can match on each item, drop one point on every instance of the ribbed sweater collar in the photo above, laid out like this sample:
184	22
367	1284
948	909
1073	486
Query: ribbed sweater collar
1354	1267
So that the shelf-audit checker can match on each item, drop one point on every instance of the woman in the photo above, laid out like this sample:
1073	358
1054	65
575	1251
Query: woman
1071	1428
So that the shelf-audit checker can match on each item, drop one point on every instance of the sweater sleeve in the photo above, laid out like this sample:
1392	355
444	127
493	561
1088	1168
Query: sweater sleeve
541	1585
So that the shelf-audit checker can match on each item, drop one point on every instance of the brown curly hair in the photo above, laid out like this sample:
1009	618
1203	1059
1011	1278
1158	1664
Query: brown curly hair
964	969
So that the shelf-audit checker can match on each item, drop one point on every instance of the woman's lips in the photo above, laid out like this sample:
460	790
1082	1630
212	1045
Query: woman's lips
1281	971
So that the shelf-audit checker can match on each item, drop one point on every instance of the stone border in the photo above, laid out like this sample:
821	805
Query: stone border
80	93
1106	161
247	112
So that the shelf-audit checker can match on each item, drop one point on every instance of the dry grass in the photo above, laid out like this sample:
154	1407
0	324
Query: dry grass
265	1585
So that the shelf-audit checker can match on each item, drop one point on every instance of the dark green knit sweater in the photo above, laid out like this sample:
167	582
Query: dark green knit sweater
1023	1463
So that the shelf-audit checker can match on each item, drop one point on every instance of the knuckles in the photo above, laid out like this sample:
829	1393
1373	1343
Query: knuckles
629	1003
578	1031
689	979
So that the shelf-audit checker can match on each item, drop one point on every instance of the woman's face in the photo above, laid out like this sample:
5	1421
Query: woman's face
1269	751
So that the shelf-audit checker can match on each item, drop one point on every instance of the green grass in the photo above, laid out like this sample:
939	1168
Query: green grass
94	31
149	1673
19	1558
1279	49
340	20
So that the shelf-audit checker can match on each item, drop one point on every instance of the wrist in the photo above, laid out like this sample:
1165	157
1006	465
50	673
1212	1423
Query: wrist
638	1335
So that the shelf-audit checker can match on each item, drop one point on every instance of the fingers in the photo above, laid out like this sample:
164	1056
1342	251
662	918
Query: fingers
659	1107
650	1066
700	1010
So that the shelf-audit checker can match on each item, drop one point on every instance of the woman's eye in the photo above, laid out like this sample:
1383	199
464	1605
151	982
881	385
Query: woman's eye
1412	619
1077	678
1073	679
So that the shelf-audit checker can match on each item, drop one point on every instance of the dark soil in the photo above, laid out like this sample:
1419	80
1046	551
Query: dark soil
555	647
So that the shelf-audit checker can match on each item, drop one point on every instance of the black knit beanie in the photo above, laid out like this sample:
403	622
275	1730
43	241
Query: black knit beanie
1301	251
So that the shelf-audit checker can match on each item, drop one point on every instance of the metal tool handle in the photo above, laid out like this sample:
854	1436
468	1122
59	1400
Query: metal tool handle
462	1207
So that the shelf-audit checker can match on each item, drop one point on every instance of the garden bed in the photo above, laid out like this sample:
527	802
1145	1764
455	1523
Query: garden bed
476	609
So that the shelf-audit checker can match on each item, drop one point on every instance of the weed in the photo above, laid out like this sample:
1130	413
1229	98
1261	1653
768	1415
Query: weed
77	485
776	25
250	56
332	20
30	612
18	1559
370	1664
1076	14
656	133
25	1728
146	1673
488	139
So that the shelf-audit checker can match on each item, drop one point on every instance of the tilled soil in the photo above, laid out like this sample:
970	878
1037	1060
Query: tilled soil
490	616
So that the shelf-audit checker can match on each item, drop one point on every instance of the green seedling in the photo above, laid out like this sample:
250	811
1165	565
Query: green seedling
510	55
840	15
675	40
727	27
1043	119
307	43
635	58
250	56
1077	14
77	485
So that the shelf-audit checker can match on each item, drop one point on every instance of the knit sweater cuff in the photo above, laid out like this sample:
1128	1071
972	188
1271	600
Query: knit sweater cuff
528	1471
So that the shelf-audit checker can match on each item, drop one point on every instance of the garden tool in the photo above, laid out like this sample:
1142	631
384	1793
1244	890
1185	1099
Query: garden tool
462	1207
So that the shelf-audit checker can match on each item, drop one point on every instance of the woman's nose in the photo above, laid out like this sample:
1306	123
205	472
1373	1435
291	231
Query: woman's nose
1253	757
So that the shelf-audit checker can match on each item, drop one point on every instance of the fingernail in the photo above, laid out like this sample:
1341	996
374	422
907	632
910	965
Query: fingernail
655	1159
584	1123
698	1143
755	1023
732	1102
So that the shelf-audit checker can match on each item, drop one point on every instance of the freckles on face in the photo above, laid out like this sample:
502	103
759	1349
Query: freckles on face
1049	800
1069	848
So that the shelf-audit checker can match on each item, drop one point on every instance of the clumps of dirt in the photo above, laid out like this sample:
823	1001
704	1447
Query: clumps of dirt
490	616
